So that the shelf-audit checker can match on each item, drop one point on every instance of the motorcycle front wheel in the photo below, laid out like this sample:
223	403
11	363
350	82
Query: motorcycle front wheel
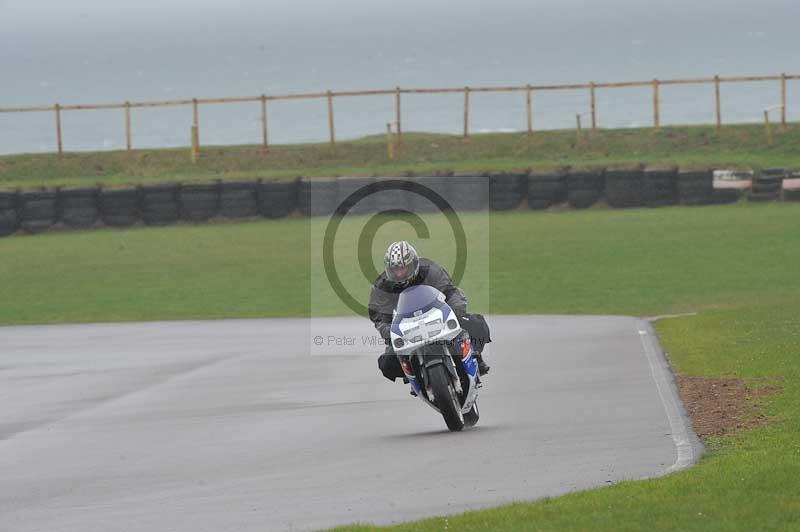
446	398
472	417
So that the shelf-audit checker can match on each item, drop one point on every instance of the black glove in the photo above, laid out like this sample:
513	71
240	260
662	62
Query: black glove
385	330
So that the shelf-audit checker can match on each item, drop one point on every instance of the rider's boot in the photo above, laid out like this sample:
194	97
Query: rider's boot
483	367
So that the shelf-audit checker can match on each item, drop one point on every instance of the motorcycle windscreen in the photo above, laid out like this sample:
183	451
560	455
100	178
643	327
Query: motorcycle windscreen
418	300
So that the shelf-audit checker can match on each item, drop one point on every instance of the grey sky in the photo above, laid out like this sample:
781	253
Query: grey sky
30	14
27	25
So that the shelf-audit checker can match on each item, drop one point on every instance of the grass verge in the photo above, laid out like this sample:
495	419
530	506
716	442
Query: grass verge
738	146
641	262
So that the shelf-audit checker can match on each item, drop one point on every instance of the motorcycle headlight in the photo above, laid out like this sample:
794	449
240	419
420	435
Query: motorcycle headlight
398	343
433	327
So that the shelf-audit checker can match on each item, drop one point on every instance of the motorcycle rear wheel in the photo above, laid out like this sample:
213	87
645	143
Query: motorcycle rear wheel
445	398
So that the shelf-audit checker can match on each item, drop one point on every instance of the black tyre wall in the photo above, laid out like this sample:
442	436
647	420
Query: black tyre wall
390	199
119	208
695	187
9	218
767	186
624	188
78	207
722	196
317	197
238	199
545	190
585	188
199	203
659	187
351	185
506	191
277	199
38	211
468	192
160	204
437	184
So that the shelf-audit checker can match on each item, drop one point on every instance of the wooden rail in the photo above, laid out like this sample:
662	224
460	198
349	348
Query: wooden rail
397	92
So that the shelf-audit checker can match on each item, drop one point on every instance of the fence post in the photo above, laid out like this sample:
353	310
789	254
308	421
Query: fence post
196	125
57	108
716	93
592	105
264	137
466	113
578	130
397	116
783	100
389	143
128	147
767	126
528	108
330	118
656	117
195	151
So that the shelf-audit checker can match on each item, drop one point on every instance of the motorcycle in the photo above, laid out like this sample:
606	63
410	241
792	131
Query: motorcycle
437	355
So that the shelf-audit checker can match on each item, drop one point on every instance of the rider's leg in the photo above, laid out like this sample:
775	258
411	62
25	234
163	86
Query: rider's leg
478	329
389	365
483	367
477	346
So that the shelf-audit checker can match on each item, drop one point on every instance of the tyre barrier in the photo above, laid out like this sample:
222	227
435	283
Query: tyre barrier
659	187
506	190
9	221
78	207
393	198
238	199
584	189
276	199
767	186
791	194
119	208
351	185
468	192
38	211
722	196
438	184
160	204
198	203
695	187
545	190
624	187
317	197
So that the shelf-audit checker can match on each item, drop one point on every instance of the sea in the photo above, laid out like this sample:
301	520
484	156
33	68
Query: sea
93	51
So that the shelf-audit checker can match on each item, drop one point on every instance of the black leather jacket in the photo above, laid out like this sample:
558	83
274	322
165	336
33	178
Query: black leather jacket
384	295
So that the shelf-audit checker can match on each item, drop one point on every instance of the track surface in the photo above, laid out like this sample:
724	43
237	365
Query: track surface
246	425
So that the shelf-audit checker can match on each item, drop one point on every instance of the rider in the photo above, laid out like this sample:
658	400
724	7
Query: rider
404	268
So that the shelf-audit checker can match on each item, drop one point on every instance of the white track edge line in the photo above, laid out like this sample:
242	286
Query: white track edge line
687	444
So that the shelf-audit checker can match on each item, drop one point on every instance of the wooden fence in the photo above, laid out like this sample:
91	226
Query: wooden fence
397	92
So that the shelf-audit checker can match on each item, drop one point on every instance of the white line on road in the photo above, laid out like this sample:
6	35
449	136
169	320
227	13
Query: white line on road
688	449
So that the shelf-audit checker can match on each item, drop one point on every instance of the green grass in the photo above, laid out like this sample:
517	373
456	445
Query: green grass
638	261
741	146
737	265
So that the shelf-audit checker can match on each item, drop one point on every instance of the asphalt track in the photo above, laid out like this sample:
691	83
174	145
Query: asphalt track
247	425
